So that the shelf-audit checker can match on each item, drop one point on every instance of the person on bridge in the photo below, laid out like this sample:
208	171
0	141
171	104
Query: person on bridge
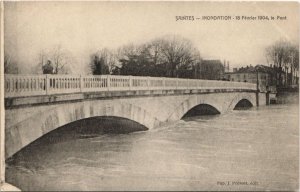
48	68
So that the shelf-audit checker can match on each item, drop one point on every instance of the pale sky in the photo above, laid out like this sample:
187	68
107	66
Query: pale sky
83	28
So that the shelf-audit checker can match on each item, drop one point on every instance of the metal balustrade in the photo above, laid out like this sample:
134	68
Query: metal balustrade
34	85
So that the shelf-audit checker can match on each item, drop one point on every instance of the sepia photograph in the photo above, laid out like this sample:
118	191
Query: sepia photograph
149	96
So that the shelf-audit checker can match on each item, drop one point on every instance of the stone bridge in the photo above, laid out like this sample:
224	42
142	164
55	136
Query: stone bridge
38	104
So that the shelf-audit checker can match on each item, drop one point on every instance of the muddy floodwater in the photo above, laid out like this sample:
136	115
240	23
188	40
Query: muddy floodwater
254	149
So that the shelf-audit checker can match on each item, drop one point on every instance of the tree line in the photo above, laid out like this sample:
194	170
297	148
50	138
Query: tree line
166	56
284	55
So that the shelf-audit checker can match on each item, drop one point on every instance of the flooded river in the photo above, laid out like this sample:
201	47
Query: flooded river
255	149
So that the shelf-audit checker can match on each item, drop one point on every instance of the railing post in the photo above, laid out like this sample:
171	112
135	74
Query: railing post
108	82
164	83
81	84
148	82
130	82
47	84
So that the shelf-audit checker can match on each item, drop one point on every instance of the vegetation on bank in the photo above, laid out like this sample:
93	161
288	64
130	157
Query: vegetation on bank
284	55
166	56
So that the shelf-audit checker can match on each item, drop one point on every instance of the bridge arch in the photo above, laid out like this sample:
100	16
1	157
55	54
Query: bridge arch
201	109
25	132
244	99
191	103
243	104
87	128
220	104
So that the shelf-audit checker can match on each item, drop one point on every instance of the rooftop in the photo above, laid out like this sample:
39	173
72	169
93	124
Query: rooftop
259	68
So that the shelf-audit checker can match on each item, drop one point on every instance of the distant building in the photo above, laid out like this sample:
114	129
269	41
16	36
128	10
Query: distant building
226	66
268	77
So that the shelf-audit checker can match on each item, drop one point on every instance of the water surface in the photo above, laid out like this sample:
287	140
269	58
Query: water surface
255	149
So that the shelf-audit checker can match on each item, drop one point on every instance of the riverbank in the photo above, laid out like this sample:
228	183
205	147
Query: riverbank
288	97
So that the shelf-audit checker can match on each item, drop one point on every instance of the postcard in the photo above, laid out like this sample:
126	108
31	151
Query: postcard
149	95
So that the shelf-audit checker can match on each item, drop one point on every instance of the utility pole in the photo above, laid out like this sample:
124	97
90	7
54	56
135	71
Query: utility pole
257	87
292	63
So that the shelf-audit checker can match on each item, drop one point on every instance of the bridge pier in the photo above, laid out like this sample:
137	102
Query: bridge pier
263	98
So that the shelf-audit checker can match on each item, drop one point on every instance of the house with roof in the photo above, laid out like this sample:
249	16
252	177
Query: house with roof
266	77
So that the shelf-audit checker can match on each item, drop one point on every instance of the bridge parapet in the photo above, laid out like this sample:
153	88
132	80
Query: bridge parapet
34	85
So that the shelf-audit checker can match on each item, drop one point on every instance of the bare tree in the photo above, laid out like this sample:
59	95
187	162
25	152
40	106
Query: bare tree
177	53
171	56
10	66
279	54
155	50
42	60
129	50
103	62
60	58
293	63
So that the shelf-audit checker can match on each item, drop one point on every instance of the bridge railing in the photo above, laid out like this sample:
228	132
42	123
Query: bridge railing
20	85
32	85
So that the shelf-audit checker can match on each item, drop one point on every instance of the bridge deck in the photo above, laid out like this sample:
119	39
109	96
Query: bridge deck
14	102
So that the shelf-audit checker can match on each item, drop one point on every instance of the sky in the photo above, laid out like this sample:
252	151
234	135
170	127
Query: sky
82	28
